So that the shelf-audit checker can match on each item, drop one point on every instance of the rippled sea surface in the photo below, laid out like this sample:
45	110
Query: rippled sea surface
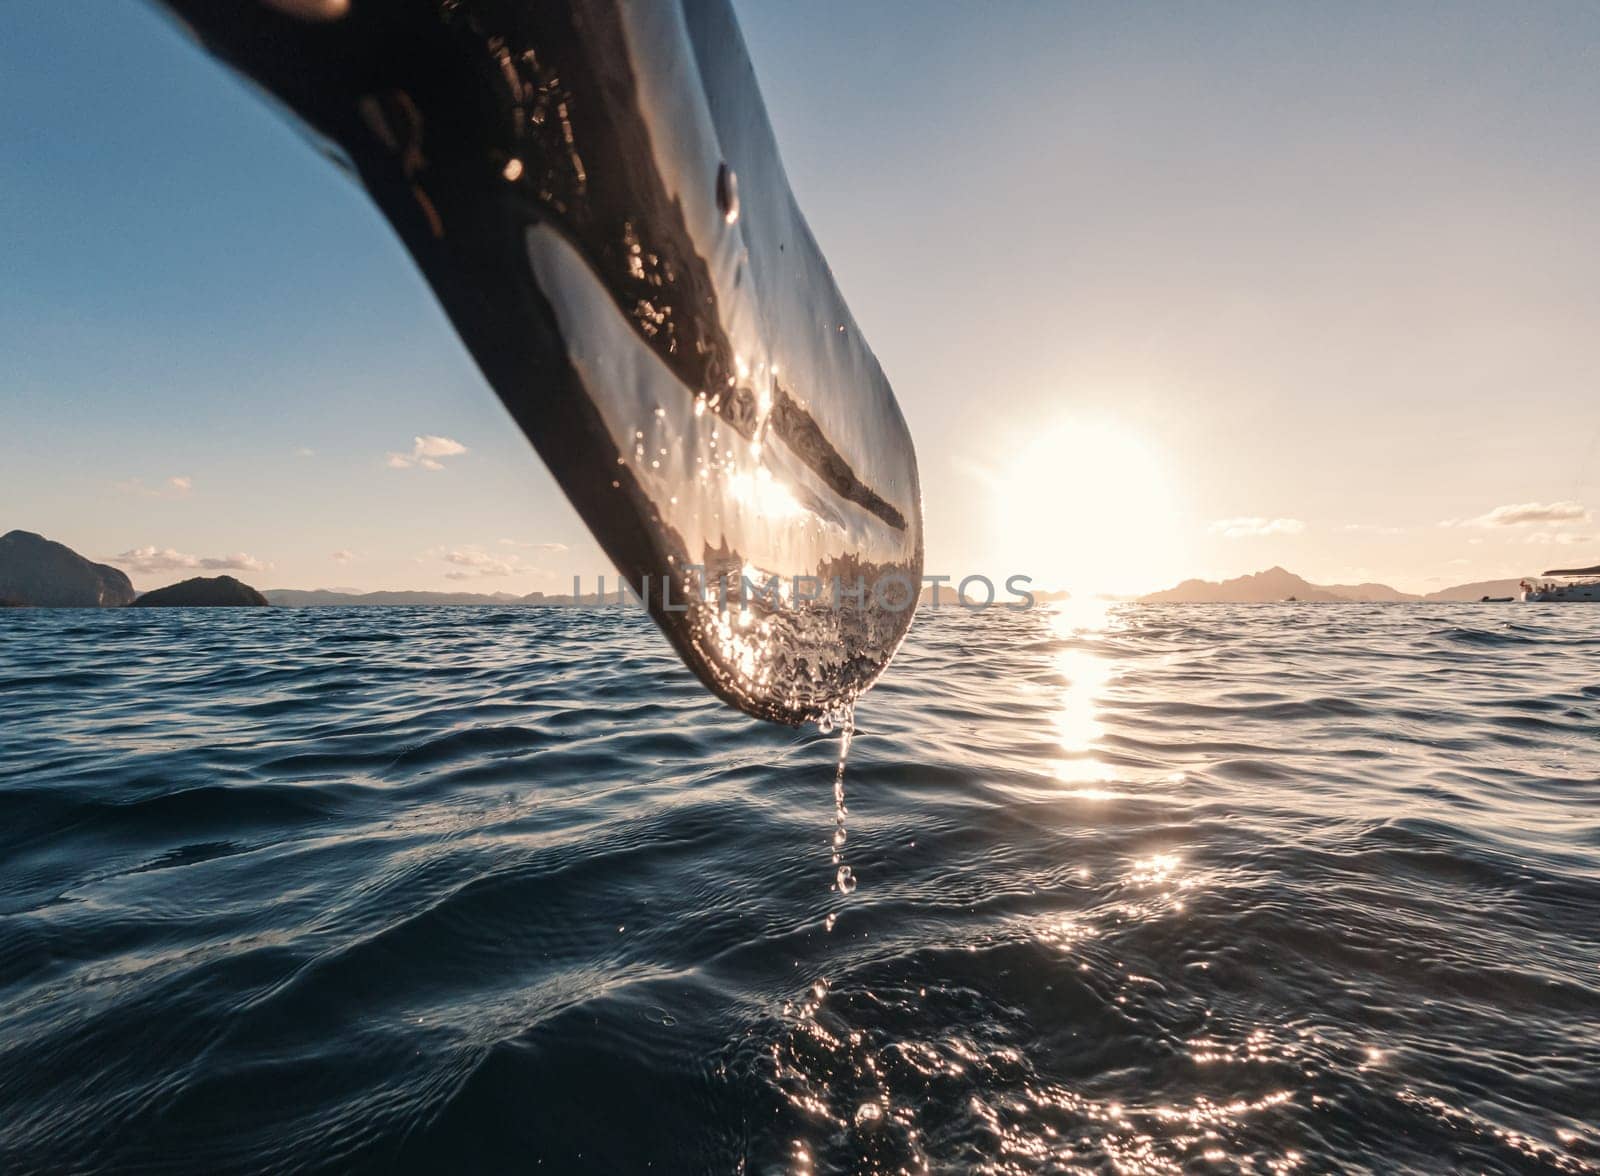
1140	889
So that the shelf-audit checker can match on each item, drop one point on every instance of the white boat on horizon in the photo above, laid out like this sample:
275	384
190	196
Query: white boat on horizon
1564	586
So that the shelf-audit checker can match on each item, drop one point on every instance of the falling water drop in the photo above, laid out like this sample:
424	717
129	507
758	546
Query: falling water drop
727	193
847	721
844	878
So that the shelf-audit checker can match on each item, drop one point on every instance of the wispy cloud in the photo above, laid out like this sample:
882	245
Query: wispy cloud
473	563
177	486
1256	527
1523	514
304	451
1563	538
343	556
1372	529
427	453
149	560
533	546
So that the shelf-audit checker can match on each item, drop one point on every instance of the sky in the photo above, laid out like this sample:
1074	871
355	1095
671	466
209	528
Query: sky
1164	290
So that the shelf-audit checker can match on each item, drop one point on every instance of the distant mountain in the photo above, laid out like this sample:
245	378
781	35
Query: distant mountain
203	592
1370	592
38	571
1476	592
1278	584
1260	588
332	598
328	598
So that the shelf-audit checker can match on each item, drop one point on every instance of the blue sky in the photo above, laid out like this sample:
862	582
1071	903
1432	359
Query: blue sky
1164	290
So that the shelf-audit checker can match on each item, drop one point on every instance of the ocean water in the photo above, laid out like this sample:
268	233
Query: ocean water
1260	889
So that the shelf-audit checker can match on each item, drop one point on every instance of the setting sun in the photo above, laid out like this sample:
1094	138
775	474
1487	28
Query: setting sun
1090	507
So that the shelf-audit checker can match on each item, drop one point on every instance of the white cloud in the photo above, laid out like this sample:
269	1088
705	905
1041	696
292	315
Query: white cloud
473	563
427	452
303	451
429	445
1522	514
472	558
343	556
533	546
1373	529
149	560
1255	527
176	486
1563	538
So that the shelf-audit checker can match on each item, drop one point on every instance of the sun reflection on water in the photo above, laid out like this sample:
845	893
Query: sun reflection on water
1085	675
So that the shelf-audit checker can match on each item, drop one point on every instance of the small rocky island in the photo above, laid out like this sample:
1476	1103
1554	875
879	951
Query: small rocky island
204	592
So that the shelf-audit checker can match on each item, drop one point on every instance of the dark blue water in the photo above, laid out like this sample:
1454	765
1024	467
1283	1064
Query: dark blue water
1217	889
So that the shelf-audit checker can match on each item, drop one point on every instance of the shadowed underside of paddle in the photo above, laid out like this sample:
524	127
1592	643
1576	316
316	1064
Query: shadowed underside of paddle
593	191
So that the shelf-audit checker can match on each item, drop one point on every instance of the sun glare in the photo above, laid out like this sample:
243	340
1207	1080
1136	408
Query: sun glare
1090	508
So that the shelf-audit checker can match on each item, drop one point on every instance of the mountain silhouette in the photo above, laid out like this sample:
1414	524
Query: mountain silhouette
38	571
203	592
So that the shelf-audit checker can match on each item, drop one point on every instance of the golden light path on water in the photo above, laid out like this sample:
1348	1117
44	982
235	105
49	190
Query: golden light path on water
1084	675
1116	933
1152	1137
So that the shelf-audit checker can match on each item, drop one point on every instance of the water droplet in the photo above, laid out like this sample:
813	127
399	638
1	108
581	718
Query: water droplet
846	880
513	170
727	193
868	1114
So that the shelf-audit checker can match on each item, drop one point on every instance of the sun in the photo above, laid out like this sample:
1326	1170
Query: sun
1090	507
